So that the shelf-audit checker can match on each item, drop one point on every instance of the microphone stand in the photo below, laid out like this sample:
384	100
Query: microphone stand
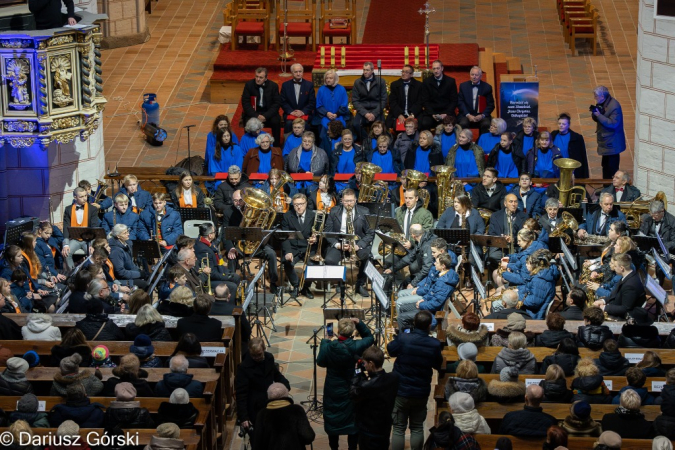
314	412
188	139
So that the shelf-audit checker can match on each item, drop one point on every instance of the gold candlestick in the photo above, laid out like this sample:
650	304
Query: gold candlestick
405	56
323	56
332	57
343	57
417	58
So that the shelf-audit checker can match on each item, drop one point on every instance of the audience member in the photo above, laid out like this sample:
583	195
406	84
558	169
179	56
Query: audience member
470	330
515	355
639	331
27	409
575	302
167	437
447	435
178	410
651	365
100	358
589	384
593	333
636	380
608	440
556	332
96	326
70	373
189	346
13	381
555	385
125	411
467	419
508	389
662	443
129	371
664	424
22	436
466	380
77	408
205	328
39	328
611	362
556	438
566	356
179	378
145	352
466	351
627	420
579	422
179	304
532	420
150	323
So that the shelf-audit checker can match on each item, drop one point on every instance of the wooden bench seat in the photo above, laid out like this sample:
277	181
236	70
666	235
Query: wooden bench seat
575	443
539	326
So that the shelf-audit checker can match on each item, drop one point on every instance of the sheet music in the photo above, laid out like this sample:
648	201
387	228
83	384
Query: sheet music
664	250
374	276
665	267
476	257
253	282
381	296
656	290
249	297
568	254
477	282
326	273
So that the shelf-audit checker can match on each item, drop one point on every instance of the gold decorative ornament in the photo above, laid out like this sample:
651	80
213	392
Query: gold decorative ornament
20	126
18	70
61	68
60	40
16	43
21	142
65	122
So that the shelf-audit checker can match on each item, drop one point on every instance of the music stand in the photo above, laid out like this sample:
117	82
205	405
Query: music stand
373	207
375	222
195	214
660	295
487	241
13	232
158	274
646	243
344	238
146	250
329	274
577	213
86	234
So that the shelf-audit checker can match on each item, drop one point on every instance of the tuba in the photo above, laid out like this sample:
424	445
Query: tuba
100	190
371	191
568	223
571	196
278	195
448	188
634	210
413	180
258	213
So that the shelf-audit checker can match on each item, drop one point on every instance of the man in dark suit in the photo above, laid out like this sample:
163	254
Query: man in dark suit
224	305
476	102
297	98
236	180
187	260
621	190
337	222
261	100
78	215
628	294
207	329
440	97
293	250
530	201
508	218
204	248
598	223
369	97
405	97
490	193
552	217
660	222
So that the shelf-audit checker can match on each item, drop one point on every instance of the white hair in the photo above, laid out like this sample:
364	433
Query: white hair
119	229
260	137
253	126
179	364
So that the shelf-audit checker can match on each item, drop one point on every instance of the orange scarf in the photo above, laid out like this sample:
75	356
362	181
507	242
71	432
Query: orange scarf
85	218
400	193
319	203
32	270
182	204
110	269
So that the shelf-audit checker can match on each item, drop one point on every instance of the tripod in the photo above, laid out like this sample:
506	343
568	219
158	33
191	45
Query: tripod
315	410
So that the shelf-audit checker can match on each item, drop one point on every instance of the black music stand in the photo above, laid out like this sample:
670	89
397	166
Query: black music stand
375	208
554	245
384	223
279	237
646	243
393	246
344	238
577	213
148	250
160	268
14	230
457	237
195	214
86	234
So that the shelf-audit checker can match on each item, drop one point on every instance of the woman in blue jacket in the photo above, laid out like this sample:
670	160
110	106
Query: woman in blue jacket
332	103
48	249
171	224
515	272
540	158
539	290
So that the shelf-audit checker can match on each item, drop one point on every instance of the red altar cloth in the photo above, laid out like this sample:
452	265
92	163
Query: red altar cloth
392	56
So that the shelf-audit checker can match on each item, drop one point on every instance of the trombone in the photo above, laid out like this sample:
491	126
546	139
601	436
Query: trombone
205	263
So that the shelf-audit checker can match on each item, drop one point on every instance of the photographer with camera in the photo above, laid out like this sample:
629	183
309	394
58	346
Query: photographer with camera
373	393
610	133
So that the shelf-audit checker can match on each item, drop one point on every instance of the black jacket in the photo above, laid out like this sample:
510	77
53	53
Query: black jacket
361	227
359	156
82	412
630	193
374	402
667	231
440	99
173	381
127	415
632	425
531	421
141	384
207	329
504	313
573	313
306	101
628	294
612	364
59	352
494	202
92	323
664	425
282	425
639	336
174	309
555	391
565	360
183	415
577	151
48	13
551	338
223	195
420	253
516	154
465	99
590	389
14	388
593	336
397	99
251	383
417	355
9	330
435	156
204	251
271	100
291	222
499	225
156	331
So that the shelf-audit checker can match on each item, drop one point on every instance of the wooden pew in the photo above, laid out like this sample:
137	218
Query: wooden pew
139	436
539	326
617	383
576	443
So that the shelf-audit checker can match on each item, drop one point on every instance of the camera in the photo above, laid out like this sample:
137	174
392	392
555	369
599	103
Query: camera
360	366
243	431
594	108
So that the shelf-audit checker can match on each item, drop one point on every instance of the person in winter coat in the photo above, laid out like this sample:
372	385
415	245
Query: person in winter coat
167	438
627	420
465	414
470	330
145	352
539	291
579	423
593	333
121	213
465	351
555	334
307	158
532	420
506	157
23	437
179	304
664	424
148	322
170	223
70	373
338	357
588	384
466	156
636	380
566	356
282	425
651	365
404	141
27	409
639	331
466	380
77	408
508	389
515	322
125	411
555	385
611	362
96	326
129	371
179	378
515	270
515	355
178	410
39	328
121	256
73	342
189	346
447	435
13	381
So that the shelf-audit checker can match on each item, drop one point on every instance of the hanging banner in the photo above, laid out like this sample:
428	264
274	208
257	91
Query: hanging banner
518	101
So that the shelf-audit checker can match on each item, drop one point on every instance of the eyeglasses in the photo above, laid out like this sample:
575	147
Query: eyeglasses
299	204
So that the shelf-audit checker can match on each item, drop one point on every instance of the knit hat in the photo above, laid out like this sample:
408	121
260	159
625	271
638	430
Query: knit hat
641	317
508	374
71	364
32	358
610	439
68	428
179	396
142	340
661	443
5	354
168	430
125	392
100	353
27	404
17	365
142	347
581	409
515	322
461	402
467	350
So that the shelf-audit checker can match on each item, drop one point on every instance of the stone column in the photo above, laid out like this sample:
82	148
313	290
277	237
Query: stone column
655	125
126	23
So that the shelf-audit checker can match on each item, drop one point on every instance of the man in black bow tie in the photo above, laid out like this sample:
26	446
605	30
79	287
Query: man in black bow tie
476	102
621	190
76	216
298	99
405	98
261	100
660	222
598	223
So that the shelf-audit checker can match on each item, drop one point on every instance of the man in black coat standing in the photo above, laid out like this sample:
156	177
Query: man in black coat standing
48	13
405	97
207	329
440	97
261	100
369	97
298	99
476	102
294	250
628	294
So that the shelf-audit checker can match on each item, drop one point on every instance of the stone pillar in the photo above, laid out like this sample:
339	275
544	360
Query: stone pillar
126	23
655	125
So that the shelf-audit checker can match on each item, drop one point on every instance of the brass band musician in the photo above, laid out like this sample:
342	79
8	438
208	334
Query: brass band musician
205	248
598	223
660	222
293	250
160	222
506	222
413	213
490	193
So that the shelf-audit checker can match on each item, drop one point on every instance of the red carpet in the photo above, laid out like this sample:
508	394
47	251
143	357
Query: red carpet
394	22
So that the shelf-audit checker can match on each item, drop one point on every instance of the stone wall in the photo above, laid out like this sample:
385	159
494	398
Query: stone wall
655	123
126	23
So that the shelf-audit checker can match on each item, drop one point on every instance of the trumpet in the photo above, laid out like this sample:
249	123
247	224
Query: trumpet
205	263
317	230
350	230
